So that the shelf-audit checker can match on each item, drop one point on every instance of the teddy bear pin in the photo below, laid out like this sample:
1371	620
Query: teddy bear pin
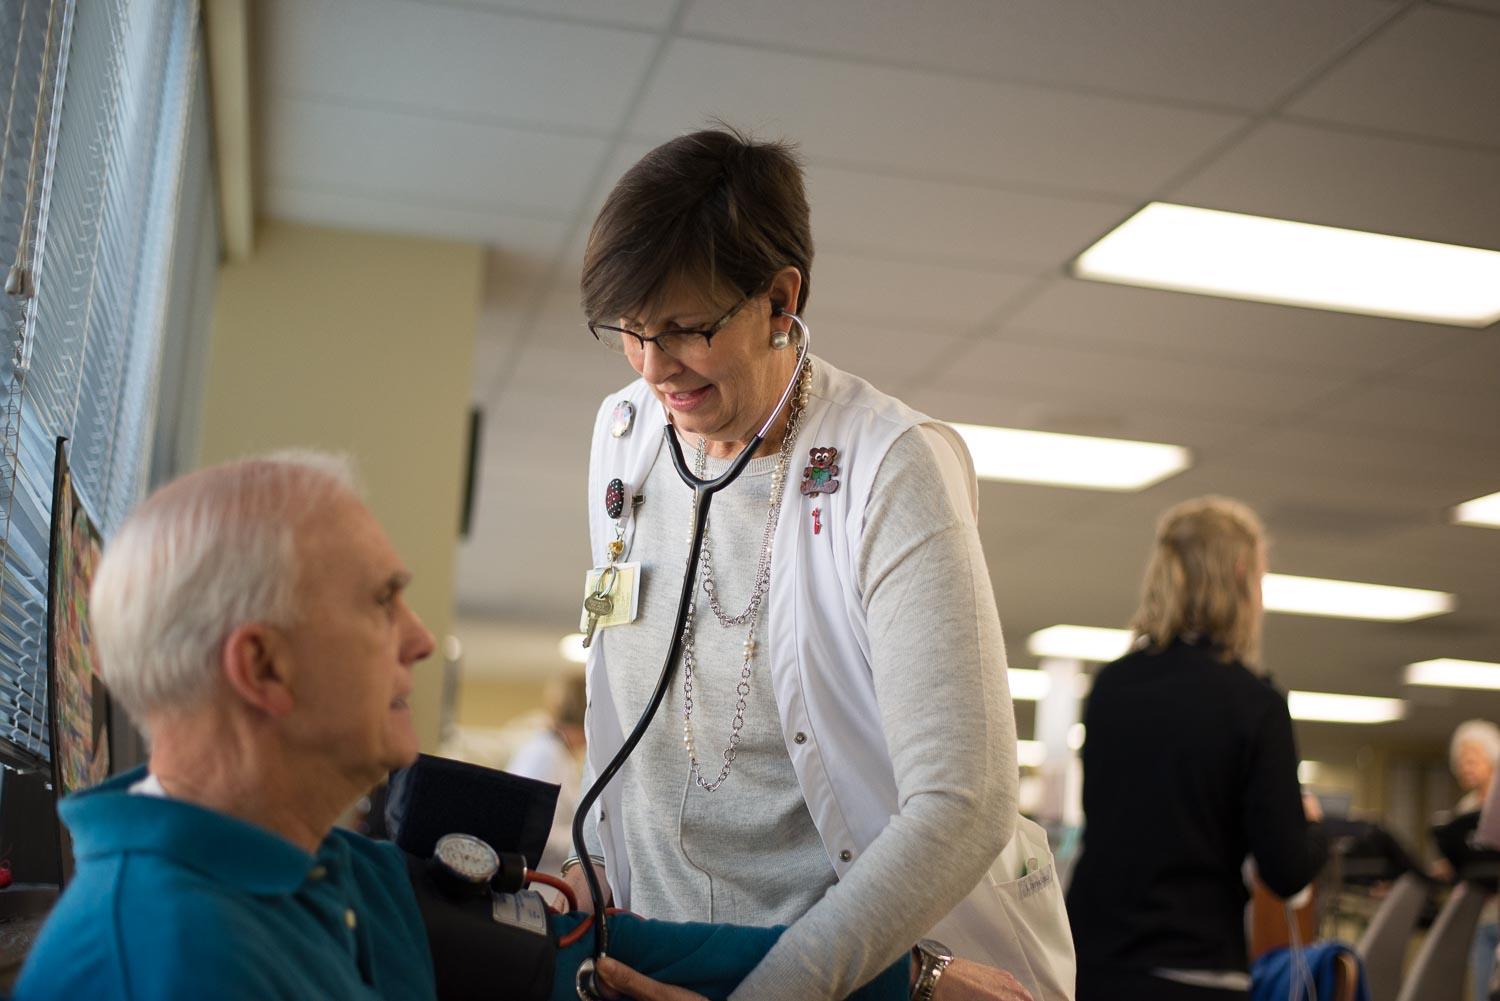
821	477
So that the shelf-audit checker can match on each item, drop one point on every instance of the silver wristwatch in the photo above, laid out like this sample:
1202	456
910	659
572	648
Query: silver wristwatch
934	958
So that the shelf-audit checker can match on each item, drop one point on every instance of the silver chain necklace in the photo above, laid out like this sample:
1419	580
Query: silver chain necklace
751	615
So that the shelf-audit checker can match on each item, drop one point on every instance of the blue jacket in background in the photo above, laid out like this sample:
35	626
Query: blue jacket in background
1271	974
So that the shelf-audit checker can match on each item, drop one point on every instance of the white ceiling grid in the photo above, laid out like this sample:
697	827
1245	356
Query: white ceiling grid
960	153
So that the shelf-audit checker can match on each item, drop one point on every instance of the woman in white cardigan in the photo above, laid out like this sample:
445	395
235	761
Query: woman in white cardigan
840	755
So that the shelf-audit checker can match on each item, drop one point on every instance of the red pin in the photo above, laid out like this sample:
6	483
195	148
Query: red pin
817	524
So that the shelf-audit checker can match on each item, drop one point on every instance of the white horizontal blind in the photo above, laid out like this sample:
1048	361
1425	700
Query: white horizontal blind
91	342
33	46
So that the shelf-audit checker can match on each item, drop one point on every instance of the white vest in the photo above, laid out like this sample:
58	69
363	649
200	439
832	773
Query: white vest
820	674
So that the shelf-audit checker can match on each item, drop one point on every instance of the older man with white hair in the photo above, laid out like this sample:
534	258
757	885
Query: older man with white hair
251	619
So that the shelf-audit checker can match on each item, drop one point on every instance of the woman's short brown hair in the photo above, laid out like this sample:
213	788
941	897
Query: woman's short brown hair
714	210
1205	561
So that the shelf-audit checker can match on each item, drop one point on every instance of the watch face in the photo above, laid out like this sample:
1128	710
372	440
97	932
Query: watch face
467	857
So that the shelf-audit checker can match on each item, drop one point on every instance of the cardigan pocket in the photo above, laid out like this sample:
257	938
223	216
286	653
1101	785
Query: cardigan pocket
1015	918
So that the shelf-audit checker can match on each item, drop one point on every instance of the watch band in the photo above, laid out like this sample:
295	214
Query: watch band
935	957
573	862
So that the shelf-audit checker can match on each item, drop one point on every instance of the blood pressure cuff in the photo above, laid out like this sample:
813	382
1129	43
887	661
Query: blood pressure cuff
710	959
437	796
475	957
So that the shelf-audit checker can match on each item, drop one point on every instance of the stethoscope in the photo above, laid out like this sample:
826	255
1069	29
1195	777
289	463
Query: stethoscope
703	492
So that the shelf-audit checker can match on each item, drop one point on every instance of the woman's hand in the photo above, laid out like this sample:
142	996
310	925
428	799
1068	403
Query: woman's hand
964	980
579	884
620	981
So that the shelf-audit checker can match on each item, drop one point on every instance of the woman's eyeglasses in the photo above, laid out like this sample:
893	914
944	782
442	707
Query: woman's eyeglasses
681	344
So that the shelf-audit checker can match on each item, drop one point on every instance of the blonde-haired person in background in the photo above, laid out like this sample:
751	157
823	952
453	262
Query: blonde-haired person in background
1189	765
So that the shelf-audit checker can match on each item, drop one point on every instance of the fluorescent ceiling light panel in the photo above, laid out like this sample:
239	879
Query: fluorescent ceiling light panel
572	649
1479	511
1079	643
1028	686
1347	599
1448	673
1070	460
1327	707
1298	264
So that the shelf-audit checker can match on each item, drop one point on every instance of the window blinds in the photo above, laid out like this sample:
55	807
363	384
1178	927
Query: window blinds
84	350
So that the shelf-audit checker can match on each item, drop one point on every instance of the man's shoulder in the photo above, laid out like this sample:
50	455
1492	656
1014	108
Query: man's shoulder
135	926
377	862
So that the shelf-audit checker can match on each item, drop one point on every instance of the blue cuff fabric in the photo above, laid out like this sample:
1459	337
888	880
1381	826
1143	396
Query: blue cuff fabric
710	959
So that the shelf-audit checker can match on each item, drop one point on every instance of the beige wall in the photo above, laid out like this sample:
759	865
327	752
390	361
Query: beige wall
488	702
358	343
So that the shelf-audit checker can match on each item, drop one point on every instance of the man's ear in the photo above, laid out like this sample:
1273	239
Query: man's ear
257	668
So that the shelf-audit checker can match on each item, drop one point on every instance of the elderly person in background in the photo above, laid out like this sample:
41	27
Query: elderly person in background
846	761
1188	766
1473	754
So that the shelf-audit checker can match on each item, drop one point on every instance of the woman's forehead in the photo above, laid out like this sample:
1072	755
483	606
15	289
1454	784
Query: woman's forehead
682	301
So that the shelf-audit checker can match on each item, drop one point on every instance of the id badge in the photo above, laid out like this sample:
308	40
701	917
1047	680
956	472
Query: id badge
624	593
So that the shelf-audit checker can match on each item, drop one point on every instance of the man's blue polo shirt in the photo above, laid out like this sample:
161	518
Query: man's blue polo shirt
171	900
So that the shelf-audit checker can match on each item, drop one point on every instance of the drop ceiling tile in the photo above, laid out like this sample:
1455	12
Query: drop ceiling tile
395	214
316	144
1432	72
1040	408
1157	383
954	223
848	289
652	14
1447	469
885	356
1295	171
881	118
1228	331
453	61
1420	411
1473	359
1238	55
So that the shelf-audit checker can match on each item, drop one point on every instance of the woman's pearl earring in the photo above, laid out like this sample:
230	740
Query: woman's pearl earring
780	339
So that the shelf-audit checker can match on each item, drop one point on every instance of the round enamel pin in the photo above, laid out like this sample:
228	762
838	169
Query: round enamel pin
614	498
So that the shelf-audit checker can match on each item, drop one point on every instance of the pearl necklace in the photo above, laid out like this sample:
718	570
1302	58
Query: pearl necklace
751	615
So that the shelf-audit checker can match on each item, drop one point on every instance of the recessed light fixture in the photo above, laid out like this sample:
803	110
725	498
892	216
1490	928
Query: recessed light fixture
1079	643
1070	460
572	649
1210	252
1327	707
1483	511
1448	673
1347	599
1028	686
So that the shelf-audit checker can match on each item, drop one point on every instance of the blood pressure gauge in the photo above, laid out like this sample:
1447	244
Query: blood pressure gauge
464	863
